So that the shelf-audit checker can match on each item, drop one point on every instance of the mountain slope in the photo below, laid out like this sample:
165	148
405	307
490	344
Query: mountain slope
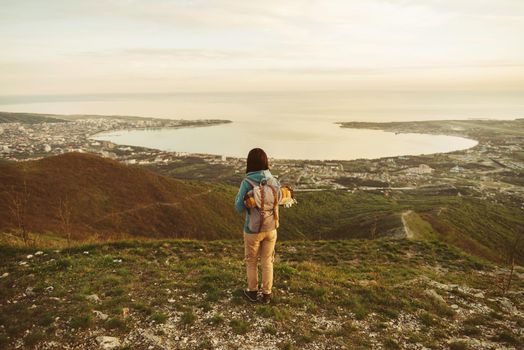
109	199
477	226
351	294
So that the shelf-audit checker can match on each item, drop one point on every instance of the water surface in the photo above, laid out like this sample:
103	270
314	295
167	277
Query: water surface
288	140
294	125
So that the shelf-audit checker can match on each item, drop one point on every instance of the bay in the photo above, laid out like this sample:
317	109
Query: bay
288	140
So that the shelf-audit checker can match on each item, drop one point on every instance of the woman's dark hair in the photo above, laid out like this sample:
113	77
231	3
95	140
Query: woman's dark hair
256	160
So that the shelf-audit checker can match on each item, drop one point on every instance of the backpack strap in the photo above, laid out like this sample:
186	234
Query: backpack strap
275	202
261	210
251	182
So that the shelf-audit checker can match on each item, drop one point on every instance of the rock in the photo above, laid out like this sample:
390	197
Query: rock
29	291
22	263
4	275
108	343
39	253
30	256
508	305
454	306
49	288
171	301
431	293
86	252
366	283
479	295
100	315
93	298
117	260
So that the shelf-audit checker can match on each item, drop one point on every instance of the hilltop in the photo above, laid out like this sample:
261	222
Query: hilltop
351	294
108	199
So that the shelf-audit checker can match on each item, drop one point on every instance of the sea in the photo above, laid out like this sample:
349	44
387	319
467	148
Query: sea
288	125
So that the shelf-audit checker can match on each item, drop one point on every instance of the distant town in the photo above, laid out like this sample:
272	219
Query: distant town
492	170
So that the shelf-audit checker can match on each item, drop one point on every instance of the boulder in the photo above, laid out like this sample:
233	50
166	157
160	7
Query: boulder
100	315
434	295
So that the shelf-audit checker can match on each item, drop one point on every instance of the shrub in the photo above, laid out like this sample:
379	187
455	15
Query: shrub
239	326
188	317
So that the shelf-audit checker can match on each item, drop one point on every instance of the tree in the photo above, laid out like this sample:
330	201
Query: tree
17	201
513	249
65	211
373	230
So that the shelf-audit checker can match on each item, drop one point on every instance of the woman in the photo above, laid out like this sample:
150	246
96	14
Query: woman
258	244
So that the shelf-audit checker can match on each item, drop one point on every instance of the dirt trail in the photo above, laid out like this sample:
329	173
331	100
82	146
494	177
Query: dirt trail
409	233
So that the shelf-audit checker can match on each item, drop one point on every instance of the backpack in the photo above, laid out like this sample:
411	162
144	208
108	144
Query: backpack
264	215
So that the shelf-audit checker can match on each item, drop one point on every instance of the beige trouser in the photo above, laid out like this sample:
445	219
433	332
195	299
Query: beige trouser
260	245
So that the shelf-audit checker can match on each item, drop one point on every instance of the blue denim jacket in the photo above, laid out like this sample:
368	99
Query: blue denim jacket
245	187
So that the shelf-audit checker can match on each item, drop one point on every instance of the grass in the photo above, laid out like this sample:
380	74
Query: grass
458	345
324	291
81	321
239	326
216	319
159	317
188	317
147	205
390	343
508	337
116	323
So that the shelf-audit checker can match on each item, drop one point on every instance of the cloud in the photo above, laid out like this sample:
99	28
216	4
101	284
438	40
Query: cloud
114	42
187	54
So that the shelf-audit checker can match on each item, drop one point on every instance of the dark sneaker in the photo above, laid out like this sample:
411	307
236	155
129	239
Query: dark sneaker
251	296
266	299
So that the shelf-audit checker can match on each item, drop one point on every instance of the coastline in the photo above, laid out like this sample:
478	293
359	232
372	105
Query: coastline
206	123
428	147
479	130
497	156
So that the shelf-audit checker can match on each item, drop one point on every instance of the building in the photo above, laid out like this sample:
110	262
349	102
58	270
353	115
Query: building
420	170
457	169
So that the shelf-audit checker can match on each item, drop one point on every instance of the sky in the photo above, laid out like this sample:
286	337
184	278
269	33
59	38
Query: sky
161	46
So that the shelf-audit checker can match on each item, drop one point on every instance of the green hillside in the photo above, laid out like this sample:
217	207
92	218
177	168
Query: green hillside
348	294
28	118
475	225
109	200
